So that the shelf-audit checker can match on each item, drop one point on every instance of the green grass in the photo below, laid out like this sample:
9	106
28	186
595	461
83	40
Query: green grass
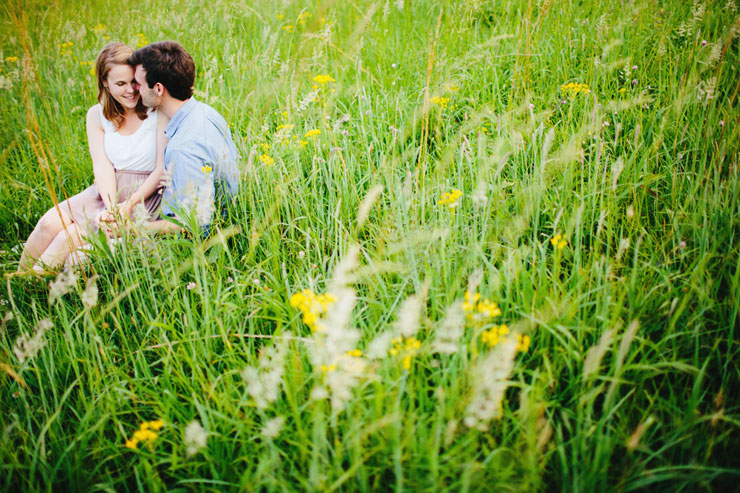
631	379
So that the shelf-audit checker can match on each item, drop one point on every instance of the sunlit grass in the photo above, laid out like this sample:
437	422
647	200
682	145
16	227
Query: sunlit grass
573	164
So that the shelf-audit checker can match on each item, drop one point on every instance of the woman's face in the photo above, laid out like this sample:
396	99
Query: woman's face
120	83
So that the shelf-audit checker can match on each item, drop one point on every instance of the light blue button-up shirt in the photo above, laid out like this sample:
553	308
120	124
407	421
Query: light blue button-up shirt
199	157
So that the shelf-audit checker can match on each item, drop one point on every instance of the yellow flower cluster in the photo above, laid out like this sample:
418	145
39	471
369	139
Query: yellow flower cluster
206	169
405	347
99	28
11	59
312	133
145	434
354	353
559	241
573	89
451	199
266	159
323	79
141	41
312	306
494	335
65	48
303	17
522	343
479	310
440	101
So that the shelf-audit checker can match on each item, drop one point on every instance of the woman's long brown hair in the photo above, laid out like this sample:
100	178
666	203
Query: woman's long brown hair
114	54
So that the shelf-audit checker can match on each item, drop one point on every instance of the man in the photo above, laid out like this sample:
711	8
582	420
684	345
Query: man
200	155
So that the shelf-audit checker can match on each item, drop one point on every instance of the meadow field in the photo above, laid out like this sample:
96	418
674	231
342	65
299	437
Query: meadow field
478	246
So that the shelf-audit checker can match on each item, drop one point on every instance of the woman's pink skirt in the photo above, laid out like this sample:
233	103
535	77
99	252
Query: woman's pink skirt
84	207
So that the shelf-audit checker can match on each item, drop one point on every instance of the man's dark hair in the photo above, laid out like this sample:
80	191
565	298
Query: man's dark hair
168	63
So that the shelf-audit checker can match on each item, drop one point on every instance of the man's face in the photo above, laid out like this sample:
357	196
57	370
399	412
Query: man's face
149	95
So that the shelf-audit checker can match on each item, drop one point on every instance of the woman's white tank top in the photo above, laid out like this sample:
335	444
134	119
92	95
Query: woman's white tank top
135	152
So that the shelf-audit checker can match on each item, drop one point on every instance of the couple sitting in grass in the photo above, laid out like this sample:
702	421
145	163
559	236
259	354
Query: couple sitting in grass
158	156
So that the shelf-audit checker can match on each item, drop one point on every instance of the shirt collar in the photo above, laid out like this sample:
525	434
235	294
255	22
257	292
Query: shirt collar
179	116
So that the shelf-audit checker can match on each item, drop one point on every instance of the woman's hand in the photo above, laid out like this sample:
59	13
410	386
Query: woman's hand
125	208
105	216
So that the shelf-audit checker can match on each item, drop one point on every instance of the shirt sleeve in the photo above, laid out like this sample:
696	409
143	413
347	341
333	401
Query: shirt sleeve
189	193
225	155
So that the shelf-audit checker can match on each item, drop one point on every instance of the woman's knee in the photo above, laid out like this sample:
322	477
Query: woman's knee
53	221
71	233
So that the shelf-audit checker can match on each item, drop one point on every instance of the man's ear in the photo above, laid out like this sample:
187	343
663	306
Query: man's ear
159	89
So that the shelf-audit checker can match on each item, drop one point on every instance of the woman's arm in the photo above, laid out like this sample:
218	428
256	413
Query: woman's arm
150	185
105	175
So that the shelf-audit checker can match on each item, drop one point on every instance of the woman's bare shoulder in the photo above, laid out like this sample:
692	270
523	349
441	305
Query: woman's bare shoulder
93	115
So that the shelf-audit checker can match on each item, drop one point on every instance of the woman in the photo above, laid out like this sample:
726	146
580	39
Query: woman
127	150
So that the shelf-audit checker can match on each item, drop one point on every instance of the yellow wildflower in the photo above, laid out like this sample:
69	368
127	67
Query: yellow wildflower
406	348
323	79
479	310
302	17
439	101
145	434
65	48
573	89
470	300
206	169
266	159
622	90
11	59
494	335
313	133
265	146
559	241
328	368
452	87
99	28
142	41
157	424
522	343
450	199
488	309
354	353
312	306
288	28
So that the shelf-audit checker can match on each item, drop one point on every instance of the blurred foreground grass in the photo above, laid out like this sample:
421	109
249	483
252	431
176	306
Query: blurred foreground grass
572	166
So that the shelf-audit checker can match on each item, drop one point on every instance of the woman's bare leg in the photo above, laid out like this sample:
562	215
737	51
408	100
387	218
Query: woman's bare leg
48	227
64	242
